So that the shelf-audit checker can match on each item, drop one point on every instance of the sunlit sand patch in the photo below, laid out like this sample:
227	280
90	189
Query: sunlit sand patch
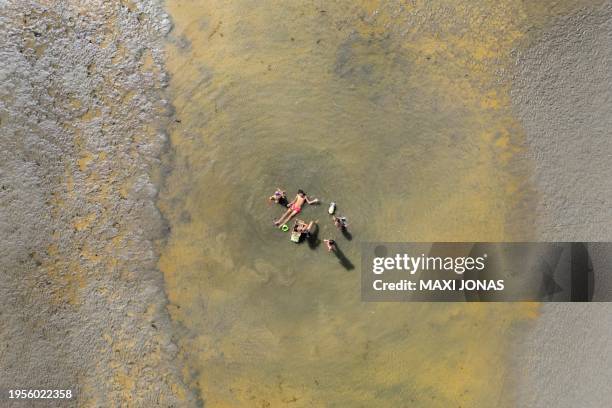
398	113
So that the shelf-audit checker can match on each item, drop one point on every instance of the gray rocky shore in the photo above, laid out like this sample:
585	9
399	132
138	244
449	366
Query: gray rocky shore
82	113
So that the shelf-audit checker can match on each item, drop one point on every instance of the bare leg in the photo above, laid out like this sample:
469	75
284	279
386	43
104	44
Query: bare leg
286	217
278	222
293	214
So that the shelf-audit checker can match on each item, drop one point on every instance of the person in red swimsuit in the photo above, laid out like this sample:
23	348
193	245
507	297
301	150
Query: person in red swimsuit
295	207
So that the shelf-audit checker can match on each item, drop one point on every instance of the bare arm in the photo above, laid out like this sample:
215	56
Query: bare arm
314	200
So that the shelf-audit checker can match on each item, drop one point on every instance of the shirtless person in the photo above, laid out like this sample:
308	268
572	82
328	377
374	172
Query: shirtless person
331	245
295	207
300	229
340	222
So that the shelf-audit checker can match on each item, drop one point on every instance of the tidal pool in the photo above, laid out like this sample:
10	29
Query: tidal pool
398	112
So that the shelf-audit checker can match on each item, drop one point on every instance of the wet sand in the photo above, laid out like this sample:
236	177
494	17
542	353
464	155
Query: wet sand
402	115
562	96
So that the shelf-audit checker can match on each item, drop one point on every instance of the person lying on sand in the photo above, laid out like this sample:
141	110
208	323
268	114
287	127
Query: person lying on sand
331	245
340	222
279	197
301	229
295	207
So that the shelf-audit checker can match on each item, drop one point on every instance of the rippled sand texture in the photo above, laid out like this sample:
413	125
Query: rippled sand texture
401	115
81	117
563	94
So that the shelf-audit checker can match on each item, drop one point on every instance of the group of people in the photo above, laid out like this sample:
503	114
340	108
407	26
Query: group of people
302	229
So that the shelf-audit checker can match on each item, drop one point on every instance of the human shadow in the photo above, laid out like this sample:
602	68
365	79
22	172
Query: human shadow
346	234
344	261
313	238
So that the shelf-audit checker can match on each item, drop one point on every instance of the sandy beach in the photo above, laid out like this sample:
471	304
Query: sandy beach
562	94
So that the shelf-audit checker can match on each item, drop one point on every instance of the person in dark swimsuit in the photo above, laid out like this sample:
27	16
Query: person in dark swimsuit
331	245
301	230
340	222
279	197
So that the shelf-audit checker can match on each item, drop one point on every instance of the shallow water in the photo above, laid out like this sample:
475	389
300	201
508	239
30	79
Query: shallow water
400	114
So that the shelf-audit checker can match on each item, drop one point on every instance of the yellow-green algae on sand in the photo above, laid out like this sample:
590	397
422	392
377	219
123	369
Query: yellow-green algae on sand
396	111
